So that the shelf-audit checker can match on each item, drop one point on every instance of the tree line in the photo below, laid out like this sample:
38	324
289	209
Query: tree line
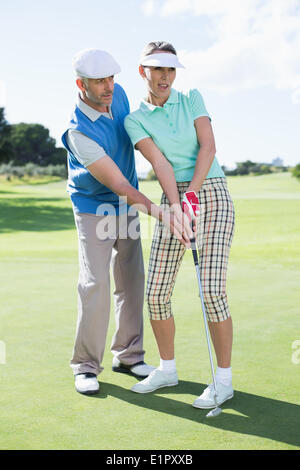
246	168
23	143
253	168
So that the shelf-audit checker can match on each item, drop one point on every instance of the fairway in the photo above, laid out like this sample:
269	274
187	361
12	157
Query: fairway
40	408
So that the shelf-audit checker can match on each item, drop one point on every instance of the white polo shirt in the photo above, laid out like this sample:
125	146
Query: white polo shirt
86	150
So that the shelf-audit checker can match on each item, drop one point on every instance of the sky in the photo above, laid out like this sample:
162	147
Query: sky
242	55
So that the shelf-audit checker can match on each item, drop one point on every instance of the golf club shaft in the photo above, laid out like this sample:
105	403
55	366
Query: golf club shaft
195	256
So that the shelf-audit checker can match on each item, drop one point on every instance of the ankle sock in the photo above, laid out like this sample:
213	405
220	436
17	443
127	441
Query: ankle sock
167	366
224	376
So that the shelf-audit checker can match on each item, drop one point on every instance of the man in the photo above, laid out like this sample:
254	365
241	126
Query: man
102	173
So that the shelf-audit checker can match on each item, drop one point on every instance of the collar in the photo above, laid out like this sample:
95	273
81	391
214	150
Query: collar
148	107
91	113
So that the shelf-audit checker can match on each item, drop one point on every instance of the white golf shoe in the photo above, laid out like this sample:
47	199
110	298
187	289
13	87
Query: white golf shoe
157	379
87	383
207	399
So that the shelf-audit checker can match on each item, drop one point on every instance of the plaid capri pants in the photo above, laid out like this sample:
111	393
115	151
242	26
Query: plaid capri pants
215	228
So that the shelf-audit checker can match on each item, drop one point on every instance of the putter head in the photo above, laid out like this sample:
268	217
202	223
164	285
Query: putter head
215	412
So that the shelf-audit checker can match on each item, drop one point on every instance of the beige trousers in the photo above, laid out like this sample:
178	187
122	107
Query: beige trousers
97	252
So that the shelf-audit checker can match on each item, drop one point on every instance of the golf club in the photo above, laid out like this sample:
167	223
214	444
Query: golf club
217	410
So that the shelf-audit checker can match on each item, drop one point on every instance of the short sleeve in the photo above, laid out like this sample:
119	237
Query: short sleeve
135	129
86	150
197	104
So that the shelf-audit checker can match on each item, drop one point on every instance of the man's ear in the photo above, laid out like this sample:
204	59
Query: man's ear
81	85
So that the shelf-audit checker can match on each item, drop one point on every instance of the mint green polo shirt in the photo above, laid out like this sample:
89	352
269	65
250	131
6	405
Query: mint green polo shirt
172	129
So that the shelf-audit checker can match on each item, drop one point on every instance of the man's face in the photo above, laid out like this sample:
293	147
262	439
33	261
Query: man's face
99	90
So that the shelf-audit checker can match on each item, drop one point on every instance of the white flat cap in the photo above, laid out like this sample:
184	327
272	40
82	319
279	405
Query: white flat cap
161	59
93	63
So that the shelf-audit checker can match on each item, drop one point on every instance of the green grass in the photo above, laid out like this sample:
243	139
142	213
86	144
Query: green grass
9	181
39	406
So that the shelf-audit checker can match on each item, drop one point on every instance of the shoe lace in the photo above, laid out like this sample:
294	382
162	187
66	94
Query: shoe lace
152	374
209	390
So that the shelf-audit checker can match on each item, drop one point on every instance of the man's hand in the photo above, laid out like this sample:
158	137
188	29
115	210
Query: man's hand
183	219
177	226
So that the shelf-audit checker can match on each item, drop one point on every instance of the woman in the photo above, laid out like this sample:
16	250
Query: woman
173	132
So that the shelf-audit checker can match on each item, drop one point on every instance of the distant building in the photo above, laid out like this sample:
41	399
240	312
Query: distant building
277	162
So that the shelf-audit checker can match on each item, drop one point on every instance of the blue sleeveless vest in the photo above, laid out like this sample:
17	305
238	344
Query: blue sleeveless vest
86	192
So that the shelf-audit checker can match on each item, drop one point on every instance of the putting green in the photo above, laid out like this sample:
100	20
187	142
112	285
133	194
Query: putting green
39	406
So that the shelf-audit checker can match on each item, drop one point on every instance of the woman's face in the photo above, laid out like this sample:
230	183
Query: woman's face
159	80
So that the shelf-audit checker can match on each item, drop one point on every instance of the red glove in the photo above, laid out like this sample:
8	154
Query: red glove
191	205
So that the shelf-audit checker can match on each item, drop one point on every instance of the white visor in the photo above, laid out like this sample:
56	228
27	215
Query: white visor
161	59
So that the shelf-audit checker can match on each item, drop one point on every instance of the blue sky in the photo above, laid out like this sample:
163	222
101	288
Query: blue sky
243	56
